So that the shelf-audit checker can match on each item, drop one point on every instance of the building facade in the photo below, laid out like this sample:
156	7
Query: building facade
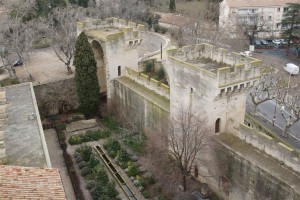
266	15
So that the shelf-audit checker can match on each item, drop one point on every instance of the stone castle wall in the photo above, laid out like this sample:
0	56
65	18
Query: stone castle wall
270	146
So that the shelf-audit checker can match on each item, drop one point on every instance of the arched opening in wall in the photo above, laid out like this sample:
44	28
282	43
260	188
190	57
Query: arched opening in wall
224	185
119	70
217	125
101	68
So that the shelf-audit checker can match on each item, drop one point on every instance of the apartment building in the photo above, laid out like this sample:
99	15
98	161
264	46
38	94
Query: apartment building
266	14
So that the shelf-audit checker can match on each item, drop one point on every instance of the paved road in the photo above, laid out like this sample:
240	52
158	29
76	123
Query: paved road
266	113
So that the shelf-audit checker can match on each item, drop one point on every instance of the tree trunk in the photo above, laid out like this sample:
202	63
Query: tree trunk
184	182
285	131
69	70
255	110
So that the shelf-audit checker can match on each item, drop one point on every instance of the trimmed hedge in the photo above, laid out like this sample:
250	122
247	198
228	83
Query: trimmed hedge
89	136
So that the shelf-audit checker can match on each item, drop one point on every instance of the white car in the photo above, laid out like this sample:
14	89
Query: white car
246	53
276	41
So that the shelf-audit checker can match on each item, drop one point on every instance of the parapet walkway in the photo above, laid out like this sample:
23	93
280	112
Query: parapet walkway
261	160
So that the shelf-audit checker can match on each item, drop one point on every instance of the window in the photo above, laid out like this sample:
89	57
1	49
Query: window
278	9
119	70
278	25
285	9
241	86
252	10
270	18
235	87
192	90
131	43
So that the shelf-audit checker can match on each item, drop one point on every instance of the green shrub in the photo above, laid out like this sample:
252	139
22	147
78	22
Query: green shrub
93	162
151	180
97	192
111	123
89	136
74	139
85	171
113	154
85	152
90	184
160	29
146	194
133	144
161	73
78	159
110	190
82	164
62	126
112	145
102	176
132	170
123	156
162	198
61	136
149	67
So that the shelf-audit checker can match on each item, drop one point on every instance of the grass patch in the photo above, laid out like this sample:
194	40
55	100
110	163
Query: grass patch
111	123
9	81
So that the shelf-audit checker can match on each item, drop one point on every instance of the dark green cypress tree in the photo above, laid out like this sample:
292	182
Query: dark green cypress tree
86	76
172	6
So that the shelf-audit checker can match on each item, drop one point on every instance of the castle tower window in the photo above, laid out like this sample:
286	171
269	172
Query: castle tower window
235	87
119	70
192	90
217	125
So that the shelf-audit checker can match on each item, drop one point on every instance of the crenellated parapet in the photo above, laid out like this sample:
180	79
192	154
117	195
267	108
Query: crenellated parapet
148	82
112	29
232	71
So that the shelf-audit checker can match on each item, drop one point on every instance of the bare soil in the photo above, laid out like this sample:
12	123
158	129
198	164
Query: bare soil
44	66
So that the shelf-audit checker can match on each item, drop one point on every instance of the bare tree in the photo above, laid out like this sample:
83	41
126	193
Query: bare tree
252	24
17	31
64	34
288	97
264	91
58	97
188	136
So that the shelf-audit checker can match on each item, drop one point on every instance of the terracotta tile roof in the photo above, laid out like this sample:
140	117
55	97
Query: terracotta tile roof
258	3
174	19
30	183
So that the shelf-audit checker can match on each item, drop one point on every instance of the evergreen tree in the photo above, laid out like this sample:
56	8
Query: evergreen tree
86	76
291	21
172	6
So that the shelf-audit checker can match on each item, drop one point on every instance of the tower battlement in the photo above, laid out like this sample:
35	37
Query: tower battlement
228	68
113	29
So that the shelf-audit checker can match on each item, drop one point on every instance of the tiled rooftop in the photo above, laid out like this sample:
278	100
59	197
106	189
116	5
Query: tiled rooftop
30	183
258	3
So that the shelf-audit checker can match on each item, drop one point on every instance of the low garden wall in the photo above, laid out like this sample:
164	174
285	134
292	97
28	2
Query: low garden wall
56	97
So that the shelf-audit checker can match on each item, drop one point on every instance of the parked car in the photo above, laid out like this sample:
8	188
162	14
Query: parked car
264	42
257	42
276	41
246	53
269	40
17	63
284	41
292	68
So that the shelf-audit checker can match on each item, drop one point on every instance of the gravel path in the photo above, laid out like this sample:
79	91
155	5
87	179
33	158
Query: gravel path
57	161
